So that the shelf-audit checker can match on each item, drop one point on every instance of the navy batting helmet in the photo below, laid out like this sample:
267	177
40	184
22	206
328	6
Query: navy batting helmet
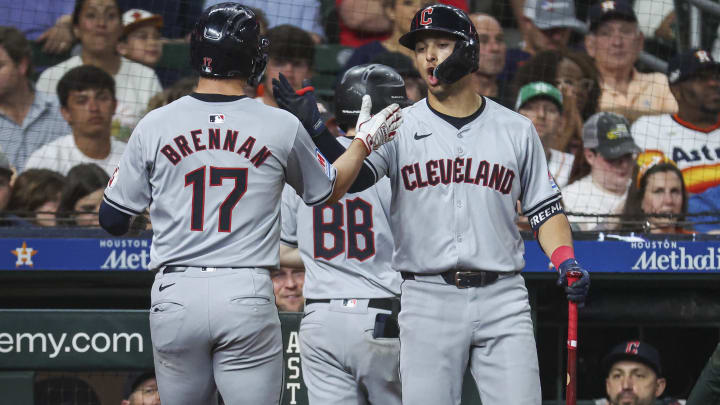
384	85
226	42
451	20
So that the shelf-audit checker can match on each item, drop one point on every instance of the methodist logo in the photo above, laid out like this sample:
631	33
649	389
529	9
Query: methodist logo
24	255
126	254
679	259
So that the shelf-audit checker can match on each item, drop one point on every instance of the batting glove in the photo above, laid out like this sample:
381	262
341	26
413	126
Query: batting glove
301	103
378	129
578	291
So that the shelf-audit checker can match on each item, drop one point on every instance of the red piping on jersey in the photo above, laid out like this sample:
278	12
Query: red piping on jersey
694	127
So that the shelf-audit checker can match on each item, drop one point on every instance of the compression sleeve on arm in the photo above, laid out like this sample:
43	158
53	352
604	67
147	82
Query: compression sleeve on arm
115	222
332	149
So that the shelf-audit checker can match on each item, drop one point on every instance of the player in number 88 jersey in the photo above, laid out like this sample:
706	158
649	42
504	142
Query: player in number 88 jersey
349	342
211	166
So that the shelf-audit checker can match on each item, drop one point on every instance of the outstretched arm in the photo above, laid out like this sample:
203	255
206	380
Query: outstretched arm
376	130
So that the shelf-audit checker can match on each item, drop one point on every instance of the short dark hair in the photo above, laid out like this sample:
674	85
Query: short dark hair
82	180
288	42
78	8
83	78
16	46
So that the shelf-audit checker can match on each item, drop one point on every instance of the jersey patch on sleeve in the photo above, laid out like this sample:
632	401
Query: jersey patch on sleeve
552	182
324	163
113	179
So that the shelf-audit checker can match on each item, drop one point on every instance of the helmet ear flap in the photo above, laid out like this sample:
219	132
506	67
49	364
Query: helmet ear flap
462	61
259	63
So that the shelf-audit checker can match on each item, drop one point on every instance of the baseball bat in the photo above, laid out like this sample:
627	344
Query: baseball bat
570	392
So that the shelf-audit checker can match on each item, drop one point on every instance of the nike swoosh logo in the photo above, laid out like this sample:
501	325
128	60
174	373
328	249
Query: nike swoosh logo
162	287
418	137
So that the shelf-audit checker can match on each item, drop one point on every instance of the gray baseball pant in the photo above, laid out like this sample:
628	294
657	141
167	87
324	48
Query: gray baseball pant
216	329
443	327
342	363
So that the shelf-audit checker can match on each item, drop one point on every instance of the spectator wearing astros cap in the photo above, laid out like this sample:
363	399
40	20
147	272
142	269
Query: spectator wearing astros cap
141	40
691	138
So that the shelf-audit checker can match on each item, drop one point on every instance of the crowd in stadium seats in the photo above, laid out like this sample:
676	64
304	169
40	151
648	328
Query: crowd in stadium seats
563	72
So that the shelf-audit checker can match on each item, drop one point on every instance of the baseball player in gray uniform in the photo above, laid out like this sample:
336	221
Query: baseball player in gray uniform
211	166
457	169
349	342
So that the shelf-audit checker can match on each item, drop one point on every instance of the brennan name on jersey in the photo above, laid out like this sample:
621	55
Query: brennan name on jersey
458	170
212	141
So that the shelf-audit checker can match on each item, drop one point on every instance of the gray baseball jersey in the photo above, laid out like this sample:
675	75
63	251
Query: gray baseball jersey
346	247
455	191
213	175
454	198
212	169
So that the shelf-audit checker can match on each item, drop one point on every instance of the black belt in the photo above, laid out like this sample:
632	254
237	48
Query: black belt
388	304
173	269
463	279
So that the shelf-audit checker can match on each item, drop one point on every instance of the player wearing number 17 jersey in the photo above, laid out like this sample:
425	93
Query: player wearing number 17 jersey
211	166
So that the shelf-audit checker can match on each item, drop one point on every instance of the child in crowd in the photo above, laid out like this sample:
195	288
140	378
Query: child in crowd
141	40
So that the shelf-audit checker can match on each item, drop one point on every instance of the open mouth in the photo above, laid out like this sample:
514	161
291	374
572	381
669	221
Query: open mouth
431	77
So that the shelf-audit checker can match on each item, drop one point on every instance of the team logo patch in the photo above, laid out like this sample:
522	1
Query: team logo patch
217	118
113	179
24	255
552	182
620	131
607	6
352	303
702	56
323	162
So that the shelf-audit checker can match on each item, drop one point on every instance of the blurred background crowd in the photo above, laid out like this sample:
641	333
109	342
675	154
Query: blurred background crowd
623	94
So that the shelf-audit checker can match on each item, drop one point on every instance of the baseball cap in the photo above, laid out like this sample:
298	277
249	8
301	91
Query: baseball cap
134	380
609	134
132	18
610	9
535	90
547	14
634	350
685	65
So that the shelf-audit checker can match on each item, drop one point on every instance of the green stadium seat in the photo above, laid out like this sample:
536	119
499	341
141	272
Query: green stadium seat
175	57
42	60
329	61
